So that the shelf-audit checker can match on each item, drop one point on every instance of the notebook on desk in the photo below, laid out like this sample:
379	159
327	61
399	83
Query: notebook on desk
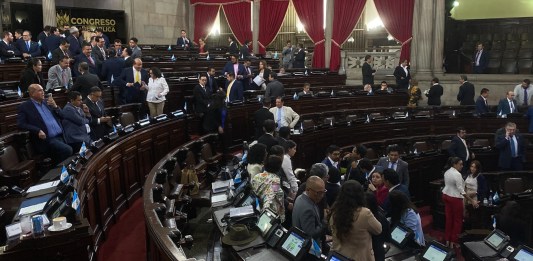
490	246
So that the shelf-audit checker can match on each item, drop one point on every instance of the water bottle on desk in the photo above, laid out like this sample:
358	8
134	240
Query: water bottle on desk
490	198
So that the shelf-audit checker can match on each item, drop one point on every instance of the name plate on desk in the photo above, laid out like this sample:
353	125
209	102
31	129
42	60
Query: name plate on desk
13	230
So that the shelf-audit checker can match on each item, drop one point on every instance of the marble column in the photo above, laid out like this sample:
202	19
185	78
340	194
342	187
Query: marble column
438	36
49	13
342	69
423	42
255	25
412	59
191	25
328	31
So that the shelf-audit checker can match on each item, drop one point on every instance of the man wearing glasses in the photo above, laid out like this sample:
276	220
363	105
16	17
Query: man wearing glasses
99	123
306	212
27	47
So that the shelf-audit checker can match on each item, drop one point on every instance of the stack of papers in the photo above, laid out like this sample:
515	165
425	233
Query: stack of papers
221	185
241	212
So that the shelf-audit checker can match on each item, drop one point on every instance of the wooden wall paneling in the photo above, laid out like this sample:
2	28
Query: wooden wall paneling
104	197
91	210
116	180
145	158
161	145
130	170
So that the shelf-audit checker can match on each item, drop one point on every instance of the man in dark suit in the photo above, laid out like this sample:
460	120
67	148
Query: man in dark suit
99	50
86	57
306	92
45	33
211	84
112	67
7	48
366	170
27	47
100	32
333	156
482	105
100	123
234	89
233	66
507	105
245	50
402	75
201	97
233	49
40	118
299	57
435	92
260	116
466	92
368	72
61	52
274	88
393	161
391	180
480	59
86	80
132	82
511	146
248	76
459	148
74	41
51	42
76	117
183	41
126	55
117	46
268	138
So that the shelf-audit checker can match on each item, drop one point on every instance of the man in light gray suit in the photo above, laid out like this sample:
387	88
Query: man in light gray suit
305	214
274	88
135	49
59	75
288	55
284	116
393	161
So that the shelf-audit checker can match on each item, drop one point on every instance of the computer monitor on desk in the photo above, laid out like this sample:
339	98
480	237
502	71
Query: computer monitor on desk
436	252
295	244
522	253
401	235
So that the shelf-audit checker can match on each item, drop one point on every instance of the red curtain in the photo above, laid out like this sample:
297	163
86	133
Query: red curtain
239	19
311	16
271	15
345	16
397	17
204	17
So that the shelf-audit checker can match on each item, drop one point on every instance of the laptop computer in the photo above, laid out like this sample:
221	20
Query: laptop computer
522	253
490	246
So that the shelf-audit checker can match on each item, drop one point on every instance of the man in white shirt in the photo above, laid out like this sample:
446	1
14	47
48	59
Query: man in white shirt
523	93
283	115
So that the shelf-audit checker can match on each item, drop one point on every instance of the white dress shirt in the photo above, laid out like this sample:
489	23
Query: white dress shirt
157	89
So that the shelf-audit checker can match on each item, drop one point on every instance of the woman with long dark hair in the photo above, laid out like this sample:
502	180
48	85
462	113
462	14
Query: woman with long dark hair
453	195
378	240
475	183
404	212
352	223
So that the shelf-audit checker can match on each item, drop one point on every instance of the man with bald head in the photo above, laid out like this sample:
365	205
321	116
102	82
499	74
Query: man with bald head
132	82
41	118
306	213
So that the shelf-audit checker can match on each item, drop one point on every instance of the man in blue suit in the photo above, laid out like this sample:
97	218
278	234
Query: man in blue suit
508	104
132	83
40	118
86	57
183	41
480	60
74	41
52	41
482	105
234	89
112	67
511	146
76	119
236	68
28	48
